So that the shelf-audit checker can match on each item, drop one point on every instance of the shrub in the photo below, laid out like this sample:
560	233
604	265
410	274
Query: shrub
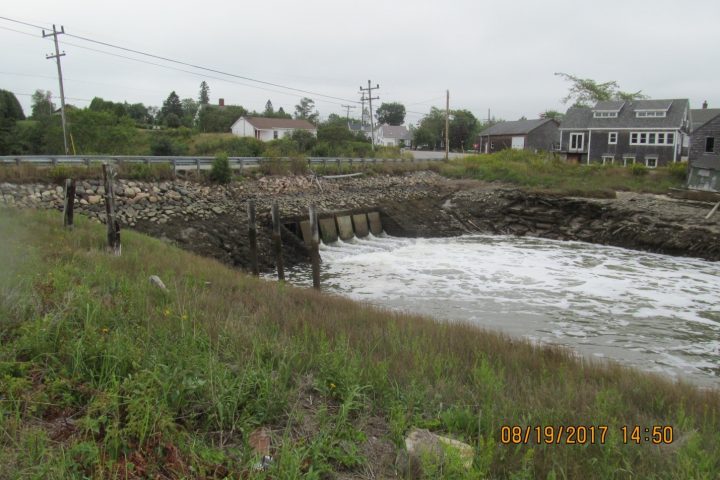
143	171
638	169
220	171
298	166
166	146
678	170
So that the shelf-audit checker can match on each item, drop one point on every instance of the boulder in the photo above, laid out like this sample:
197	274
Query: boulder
94	199
423	445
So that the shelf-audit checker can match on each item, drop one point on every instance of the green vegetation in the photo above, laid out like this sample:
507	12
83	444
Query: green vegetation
545	171
132	171
103	375
220	171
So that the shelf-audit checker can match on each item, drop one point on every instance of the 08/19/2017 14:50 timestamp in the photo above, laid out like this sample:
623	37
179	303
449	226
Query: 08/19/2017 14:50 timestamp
583	434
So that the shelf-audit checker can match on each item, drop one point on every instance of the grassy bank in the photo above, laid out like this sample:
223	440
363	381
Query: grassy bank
544	171
103	375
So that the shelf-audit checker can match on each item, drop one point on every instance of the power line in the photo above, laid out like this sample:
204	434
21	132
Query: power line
67	98
187	64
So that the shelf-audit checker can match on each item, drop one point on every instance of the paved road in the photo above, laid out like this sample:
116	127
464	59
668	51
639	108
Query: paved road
426	155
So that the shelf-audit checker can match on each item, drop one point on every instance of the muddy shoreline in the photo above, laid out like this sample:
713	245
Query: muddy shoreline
211	220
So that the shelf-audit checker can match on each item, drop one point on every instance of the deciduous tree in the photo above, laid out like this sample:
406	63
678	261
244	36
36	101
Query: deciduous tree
42	104
391	113
305	110
586	92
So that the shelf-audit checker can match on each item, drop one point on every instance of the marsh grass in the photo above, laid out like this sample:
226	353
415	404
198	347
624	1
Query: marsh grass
545	171
102	375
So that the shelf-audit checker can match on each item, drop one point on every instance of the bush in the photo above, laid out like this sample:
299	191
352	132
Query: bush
298	166
147	172
165	146
678	170
220	171
234	147
638	169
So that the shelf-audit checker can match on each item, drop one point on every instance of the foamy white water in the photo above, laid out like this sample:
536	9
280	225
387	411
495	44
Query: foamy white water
655	312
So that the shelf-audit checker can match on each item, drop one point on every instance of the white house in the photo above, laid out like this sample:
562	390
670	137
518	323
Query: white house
392	136
267	129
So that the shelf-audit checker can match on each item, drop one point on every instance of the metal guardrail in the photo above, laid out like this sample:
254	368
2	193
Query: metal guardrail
187	163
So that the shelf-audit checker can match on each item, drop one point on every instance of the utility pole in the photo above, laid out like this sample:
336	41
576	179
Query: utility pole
57	56
447	124
347	115
370	98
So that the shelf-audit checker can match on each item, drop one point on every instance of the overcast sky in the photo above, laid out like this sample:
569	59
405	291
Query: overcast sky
490	55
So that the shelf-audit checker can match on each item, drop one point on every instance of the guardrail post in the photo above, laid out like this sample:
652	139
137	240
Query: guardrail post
197	165
87	162
17	162
54	161
113	227
174	164
351	164
242	166
277	242
315	248
252	237
69	203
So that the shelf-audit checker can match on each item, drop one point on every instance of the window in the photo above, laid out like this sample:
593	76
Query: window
275	134
650	113
651	162
577	141
612	138
709	144
602	114
608	159
652	138
628	161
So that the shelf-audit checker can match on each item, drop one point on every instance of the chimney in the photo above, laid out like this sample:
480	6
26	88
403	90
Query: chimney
221	102
705	105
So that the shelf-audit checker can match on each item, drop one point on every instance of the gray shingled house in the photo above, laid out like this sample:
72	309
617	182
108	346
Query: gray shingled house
650	132
704	150
535	135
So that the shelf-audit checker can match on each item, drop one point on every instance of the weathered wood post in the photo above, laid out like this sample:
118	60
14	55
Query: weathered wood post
69	204
113	227
315	248
277	242
252	237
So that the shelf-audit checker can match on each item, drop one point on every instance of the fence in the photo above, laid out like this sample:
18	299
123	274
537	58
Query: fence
189	163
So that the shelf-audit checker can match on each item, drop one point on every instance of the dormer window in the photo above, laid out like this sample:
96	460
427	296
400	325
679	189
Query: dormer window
604	114
650	114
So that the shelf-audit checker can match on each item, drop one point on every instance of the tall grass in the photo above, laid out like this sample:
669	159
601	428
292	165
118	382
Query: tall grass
546	171
103	375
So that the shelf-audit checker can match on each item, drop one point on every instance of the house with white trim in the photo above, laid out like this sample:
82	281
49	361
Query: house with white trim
617	132
393	136
266	129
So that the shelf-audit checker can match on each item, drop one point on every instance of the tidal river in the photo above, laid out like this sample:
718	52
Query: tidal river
655	312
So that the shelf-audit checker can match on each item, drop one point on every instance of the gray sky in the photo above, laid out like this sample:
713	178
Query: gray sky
490	55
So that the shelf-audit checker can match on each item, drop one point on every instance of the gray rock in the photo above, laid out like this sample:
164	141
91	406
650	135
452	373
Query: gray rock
421	444
156	281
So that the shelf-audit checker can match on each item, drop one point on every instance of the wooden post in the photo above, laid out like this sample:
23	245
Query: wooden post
69	204
277	242
252	237
113	227
315	248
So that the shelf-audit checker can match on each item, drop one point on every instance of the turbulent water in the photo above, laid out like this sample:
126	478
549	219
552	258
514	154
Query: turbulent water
655	312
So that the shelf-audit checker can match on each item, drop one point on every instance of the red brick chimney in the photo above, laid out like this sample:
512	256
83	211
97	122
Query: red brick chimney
221	102
705	104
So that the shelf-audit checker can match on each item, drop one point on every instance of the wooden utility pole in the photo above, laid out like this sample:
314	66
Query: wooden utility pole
347	114
315	248
57	56
113	227
252	238
447	124
370	98
277	241
69	203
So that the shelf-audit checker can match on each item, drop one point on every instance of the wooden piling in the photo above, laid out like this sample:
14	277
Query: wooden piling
69	203
113	227
277	242
315	248
252	237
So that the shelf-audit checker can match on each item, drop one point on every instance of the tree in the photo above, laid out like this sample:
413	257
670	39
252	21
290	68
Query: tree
189	109
214	119
304	110
10	108
172	105
391	113
463	129
281	113
42	104
554	114
269	110
585	92
204	97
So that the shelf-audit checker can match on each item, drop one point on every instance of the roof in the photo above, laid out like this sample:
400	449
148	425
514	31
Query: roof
265	123
395	131
700	116
518	127
609	105
578	118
